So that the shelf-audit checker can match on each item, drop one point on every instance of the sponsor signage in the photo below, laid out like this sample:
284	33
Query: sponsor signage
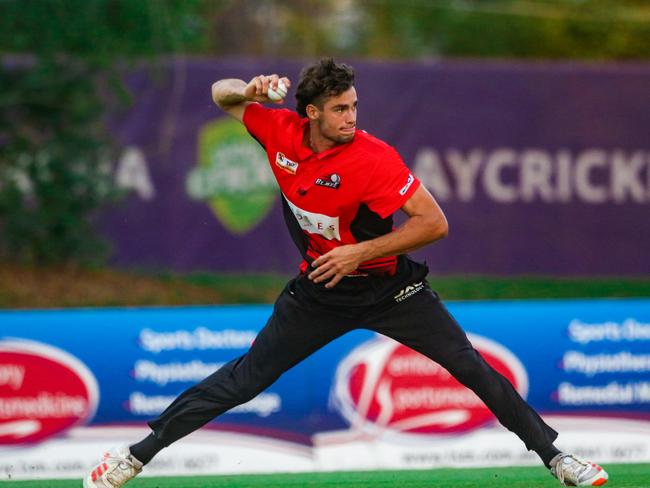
539	155
385	385
44	391
363	401
232	176
591	176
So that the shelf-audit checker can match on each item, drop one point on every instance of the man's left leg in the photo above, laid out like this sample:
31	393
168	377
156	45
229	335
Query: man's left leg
422	323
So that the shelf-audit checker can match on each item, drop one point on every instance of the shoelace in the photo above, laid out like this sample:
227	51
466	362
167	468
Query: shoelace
571	471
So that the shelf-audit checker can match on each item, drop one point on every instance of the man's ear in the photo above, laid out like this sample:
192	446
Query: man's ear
312	112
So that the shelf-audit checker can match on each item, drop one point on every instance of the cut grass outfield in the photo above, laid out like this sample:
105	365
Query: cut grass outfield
621	476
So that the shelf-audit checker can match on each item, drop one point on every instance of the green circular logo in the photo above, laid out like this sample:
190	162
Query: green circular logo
233	176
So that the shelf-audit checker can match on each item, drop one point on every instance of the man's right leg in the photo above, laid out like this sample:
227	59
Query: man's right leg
296	329
293	332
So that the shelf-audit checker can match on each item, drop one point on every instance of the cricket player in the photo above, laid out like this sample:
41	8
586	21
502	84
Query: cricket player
340	188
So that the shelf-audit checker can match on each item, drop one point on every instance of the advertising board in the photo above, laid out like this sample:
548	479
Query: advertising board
73	383
536	155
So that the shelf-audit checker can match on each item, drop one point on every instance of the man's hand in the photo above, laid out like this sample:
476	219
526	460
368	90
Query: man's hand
257	89
426	224
337	263
232	95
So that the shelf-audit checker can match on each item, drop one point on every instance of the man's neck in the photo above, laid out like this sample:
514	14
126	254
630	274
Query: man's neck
316	142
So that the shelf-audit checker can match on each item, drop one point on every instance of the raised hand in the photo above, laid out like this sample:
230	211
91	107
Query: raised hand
257	89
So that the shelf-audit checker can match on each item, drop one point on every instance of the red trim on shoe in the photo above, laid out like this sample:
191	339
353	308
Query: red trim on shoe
98	471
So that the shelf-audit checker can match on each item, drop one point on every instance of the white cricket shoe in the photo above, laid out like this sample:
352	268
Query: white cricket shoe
116	468
572	471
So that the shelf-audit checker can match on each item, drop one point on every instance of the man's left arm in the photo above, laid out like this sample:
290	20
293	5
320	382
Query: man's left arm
426	223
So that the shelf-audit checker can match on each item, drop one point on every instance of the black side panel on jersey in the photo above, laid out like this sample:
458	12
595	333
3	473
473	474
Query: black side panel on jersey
368	225
299	238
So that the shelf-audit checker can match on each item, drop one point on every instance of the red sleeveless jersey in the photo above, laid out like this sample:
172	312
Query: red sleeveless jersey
344	195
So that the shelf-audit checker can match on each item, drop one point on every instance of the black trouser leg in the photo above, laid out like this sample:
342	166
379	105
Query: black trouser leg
422	323
294	331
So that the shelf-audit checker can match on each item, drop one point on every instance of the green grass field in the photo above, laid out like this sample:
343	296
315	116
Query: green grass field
621	476
56	287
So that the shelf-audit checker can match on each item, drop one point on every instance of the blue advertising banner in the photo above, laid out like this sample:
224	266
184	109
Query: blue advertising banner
539	167
70	375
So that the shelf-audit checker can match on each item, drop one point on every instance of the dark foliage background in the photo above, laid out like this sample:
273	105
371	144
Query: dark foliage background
61	62
61	70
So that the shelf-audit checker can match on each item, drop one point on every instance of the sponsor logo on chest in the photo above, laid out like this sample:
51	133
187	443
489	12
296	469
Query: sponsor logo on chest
331	181
316	223
286	164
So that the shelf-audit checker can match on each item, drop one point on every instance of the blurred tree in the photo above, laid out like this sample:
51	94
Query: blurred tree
50	172
551	29
413	29
100	31
65	64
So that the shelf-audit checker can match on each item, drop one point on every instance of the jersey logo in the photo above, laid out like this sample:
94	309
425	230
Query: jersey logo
286	164
331	181
316	223
406	187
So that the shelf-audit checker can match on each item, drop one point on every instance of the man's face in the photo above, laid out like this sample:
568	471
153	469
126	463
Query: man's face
338	119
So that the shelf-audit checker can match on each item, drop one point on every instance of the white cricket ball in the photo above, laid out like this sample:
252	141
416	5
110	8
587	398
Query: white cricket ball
279	94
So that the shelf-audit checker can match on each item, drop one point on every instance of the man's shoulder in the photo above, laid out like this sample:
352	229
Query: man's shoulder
283	116
287	115
365	141
371	145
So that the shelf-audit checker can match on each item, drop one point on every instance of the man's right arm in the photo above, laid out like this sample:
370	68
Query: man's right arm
232	95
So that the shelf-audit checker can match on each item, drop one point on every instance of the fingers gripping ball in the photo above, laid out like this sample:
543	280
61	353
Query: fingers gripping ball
279	94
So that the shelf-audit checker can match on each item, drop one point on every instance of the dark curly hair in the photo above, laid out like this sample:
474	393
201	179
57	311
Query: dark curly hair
320	81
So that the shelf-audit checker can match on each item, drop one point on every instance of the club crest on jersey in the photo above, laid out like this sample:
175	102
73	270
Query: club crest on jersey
286	164
331	181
